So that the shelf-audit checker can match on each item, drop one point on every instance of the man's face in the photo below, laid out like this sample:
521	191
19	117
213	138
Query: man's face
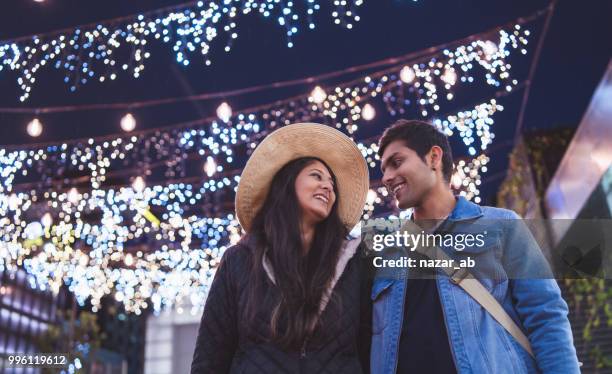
407	177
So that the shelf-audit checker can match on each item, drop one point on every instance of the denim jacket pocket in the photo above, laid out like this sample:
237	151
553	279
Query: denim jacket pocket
380	301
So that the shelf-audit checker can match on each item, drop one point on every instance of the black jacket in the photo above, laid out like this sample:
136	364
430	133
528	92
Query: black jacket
340	343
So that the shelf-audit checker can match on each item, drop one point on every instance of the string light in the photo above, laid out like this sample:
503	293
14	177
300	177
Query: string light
184	237
490	49
342	99
407	74
449	76
102	51
46	220
210	167
371	197
138	184
33	230
368	112
34	128
318	95
466	177
224	112
73	195
173	286
128	122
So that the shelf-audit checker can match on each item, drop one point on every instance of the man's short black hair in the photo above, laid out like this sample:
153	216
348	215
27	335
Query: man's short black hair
419	136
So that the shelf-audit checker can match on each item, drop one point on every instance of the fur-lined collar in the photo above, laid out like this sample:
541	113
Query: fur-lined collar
348	250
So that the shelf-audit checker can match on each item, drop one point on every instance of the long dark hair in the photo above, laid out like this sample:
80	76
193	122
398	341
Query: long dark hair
300	279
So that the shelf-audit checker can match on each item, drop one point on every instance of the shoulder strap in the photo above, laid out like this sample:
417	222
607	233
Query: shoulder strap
464	279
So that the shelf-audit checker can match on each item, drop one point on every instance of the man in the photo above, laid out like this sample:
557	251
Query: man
432	325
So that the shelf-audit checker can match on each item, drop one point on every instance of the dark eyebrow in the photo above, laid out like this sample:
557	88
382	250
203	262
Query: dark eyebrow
383	165
320	171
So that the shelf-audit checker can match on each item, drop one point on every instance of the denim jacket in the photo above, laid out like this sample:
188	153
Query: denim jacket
478	343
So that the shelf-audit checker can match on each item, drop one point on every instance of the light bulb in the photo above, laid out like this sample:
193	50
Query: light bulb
224	112
128	122
489	49
368	112
13	202
176	221
407	74
73	195
34	230
371	197
318	95
210	166
449	76
35	128
456	181
138	184
46	220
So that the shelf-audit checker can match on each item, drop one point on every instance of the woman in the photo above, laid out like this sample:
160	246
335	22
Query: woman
293	295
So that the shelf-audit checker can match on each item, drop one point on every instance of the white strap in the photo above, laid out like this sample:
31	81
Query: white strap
475	289
479	293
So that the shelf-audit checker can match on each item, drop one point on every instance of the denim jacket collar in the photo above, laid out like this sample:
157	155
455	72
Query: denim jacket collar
465	210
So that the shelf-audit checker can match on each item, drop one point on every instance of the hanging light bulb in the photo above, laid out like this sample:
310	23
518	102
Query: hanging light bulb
210	166
128	122
456	180
46	220
13	202
318	95
73	195
449	76
176	221
407	75
371	197
224	112
138	184
129	259
34	230
368	112
35	128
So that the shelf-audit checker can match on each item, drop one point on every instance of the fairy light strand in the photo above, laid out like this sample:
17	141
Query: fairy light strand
88	238
102	51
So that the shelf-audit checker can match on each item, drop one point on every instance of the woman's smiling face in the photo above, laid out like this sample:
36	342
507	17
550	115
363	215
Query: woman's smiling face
314	189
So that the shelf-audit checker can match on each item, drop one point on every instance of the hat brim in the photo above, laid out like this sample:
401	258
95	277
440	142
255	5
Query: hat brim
295	141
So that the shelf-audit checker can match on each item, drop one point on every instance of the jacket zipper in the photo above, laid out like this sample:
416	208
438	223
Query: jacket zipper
437	279
450	343
302	356
303	350
401	322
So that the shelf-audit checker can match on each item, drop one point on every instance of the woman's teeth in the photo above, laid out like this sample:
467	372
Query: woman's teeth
322	198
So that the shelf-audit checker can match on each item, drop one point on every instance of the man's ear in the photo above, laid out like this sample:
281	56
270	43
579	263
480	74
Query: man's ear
434	158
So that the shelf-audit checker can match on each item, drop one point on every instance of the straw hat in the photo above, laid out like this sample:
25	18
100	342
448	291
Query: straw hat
295	141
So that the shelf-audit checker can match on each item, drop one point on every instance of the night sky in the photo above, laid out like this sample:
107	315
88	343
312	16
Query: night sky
575	54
